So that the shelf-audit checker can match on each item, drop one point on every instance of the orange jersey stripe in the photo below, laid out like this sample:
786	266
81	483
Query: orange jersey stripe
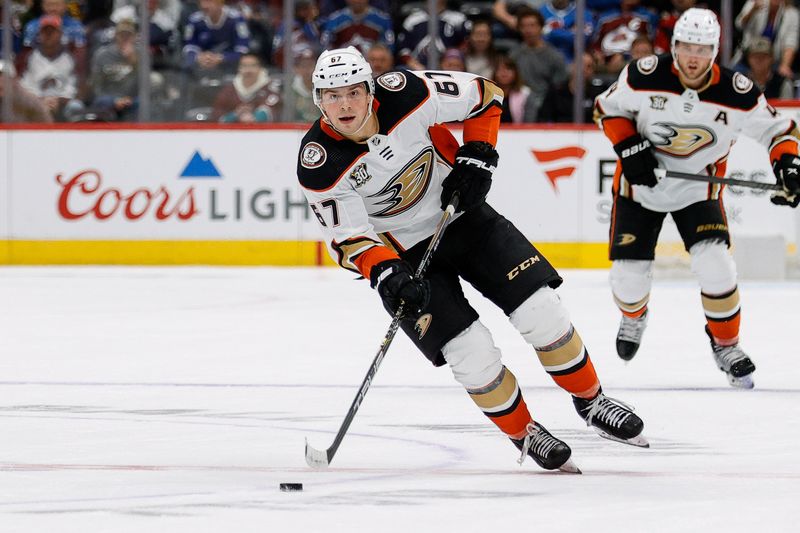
373	256
618	128
444	142
783	147
483	128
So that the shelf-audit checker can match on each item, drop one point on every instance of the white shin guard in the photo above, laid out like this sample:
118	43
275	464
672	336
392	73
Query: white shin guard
541	319
473	357
714	267
631	281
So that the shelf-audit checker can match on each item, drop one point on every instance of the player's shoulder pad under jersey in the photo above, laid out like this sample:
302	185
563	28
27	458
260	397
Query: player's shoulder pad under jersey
733	90
653	73
323	159
398	93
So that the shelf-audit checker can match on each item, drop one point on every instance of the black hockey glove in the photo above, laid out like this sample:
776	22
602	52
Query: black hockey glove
395	282
787	170
471	176
637	159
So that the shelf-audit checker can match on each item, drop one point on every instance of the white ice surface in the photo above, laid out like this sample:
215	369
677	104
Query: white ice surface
176	400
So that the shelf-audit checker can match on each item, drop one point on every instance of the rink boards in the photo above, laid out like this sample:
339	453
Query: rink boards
229	196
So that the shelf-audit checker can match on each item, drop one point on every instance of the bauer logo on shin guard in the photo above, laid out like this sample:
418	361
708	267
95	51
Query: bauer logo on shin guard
522	266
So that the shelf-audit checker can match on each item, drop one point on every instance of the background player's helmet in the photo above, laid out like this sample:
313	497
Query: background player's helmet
697	26
339	68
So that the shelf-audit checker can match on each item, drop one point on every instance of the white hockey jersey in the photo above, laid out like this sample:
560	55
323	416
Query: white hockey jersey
386	191
691	130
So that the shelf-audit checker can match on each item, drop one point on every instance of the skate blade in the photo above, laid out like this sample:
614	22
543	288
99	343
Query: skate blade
744	382
570	468
638	440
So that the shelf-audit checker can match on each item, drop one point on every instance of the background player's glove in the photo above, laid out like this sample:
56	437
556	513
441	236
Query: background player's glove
787	171
394	281
637	159
471	176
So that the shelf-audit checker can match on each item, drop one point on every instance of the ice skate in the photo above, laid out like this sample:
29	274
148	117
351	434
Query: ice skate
734	362
611	419
629	336
549	452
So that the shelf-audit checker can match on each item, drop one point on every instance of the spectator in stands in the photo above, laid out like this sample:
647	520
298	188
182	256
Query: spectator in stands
559	25
214	38
760	60
505	11
358	25
114	75
164	17
413	40
616	30
305	33
305	110
452	59
25	106
73	36
641	47
260	25
777	21
481	55
380	59
518	104
327	7
540	65
666	24
49	71
557	106
251	97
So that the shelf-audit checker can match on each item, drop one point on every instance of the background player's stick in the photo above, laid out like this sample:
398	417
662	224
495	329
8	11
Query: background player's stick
661	174
322	458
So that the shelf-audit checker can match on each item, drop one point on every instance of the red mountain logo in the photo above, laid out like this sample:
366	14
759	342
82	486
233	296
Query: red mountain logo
554	165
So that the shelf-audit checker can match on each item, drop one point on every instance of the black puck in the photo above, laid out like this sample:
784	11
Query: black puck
291	487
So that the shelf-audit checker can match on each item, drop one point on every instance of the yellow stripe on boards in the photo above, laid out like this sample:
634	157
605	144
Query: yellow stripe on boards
247	253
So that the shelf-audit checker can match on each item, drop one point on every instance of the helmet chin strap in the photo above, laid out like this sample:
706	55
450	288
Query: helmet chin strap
363	122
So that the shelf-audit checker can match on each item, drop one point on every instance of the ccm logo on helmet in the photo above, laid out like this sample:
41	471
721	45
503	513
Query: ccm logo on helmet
475	162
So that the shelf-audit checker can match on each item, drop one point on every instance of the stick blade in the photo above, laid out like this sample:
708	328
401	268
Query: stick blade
316	458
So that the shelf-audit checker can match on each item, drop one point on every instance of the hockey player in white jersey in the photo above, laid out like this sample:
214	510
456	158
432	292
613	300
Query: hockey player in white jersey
377	170
683	113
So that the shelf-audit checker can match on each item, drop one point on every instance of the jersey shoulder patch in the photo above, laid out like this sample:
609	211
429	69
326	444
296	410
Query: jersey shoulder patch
647	65
733	90
322	159
654	73
398	93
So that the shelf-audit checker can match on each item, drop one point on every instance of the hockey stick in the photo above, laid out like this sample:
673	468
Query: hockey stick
662	173
322	458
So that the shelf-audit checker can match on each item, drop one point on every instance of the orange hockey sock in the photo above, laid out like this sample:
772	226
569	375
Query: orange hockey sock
568	363
502	401
723	314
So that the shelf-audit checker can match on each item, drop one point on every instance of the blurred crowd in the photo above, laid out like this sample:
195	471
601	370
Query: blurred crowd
212	60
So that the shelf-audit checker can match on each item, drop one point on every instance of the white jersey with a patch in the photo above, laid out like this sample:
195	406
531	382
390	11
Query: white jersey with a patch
691	130
387	190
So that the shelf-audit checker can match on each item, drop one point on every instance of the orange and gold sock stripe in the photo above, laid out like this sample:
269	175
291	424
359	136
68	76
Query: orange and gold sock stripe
502	401
633	310
568	363
723	313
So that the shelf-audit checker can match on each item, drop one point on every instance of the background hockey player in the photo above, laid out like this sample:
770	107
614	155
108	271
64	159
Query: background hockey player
683	113
377	169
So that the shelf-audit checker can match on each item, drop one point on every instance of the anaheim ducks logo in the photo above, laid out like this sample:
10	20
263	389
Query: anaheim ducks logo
407	188
681	141
624	239
422	325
